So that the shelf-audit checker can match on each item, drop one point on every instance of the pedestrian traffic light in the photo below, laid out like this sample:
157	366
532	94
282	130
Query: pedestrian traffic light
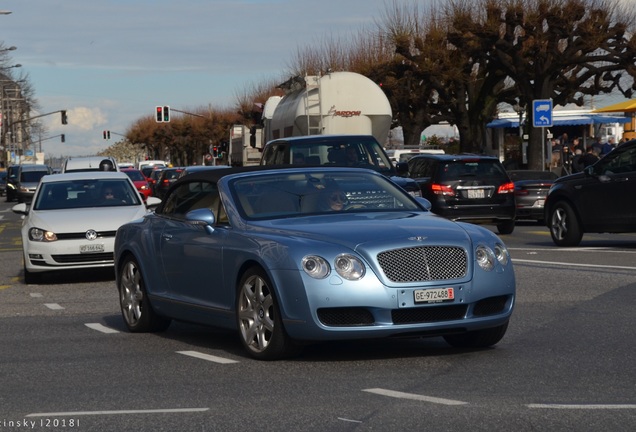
64	118
166	113
63	138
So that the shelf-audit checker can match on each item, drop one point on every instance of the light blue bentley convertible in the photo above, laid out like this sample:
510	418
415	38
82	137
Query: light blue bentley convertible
294	255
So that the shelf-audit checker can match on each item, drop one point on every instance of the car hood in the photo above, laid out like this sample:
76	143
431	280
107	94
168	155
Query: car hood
82	219
355	230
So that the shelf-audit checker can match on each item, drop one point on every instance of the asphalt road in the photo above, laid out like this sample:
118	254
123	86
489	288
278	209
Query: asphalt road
567	362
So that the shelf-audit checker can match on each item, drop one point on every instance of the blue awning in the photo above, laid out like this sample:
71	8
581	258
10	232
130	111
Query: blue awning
572	120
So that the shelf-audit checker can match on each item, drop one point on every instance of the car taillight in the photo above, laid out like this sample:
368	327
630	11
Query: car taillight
506	188
440	189
166	182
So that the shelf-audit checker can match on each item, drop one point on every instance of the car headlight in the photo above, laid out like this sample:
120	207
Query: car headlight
40	235
502	254
349	267
316	267
485	257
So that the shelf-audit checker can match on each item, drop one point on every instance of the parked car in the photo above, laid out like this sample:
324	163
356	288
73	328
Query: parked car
599	199
90	163
167	177
531	188
470	188
140	181
72	221
304	254
3	183
22	180
361	151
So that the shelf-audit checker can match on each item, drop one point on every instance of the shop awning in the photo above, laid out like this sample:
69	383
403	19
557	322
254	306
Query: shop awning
626	106
572	120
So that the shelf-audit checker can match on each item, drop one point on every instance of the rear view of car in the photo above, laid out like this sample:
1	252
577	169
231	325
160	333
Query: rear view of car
531	188
165	180
470	188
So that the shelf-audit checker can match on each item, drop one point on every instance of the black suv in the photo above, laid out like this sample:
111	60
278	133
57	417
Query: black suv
599	199
470	188
362	151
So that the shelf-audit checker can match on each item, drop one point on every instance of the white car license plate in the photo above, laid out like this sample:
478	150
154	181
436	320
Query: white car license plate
475	193
92	248
436	295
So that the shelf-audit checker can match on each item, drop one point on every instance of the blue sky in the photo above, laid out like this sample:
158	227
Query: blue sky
109	63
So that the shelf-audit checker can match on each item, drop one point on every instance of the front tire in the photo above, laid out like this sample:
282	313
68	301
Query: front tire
506	227
136	309
31	278
259	320
564	225
477	339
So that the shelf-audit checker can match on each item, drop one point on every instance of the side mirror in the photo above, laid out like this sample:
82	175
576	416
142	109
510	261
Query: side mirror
20	209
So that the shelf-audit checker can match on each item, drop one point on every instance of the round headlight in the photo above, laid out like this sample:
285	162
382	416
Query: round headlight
501	252
349	267
37	234
485	257
316	267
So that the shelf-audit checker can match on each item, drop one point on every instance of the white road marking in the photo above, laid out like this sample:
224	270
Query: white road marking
583	406
36	295
88	413
53	306
101	328
207	357
569	264
412	396
349	420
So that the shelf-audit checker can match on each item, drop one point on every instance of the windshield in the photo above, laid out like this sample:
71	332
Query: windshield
344	151
85	193
269	196
32	176
135	175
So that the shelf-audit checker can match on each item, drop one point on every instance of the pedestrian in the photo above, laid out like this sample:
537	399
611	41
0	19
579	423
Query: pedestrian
597	146
556	153
608	146
589	158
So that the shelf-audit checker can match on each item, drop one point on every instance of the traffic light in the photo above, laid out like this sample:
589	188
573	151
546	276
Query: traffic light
106	135
215	151
162	114
63	138
64	118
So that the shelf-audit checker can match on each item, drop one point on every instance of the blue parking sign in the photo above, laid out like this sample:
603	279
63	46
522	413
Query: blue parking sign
542	112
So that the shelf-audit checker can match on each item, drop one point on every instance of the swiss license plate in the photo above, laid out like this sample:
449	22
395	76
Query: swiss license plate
436	295
475	193
92	248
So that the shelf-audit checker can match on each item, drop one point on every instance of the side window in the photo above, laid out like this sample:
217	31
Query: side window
619	162
275	154
192	196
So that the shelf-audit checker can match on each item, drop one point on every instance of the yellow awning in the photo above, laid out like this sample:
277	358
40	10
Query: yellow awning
627	106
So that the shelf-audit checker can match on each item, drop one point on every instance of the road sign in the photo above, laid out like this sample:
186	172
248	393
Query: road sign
542	113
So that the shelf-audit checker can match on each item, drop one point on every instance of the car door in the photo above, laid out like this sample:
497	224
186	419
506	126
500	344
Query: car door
615	183
192	255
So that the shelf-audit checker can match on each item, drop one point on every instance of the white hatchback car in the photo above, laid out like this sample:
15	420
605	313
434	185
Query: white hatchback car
72	220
